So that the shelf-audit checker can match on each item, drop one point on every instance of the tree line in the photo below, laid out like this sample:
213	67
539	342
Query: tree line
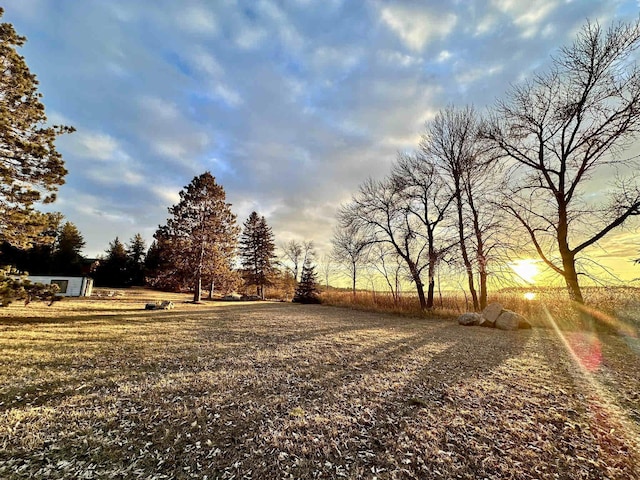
518	180
200	245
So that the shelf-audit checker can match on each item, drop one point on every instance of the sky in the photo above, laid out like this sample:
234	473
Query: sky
290	104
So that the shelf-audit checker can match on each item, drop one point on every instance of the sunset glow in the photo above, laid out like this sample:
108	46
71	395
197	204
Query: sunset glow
527	270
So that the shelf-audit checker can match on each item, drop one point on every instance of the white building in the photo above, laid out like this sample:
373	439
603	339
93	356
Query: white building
69	286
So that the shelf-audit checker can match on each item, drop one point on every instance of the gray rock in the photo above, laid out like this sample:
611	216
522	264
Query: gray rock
151	306
509	320
491	312
166	305
469	319
486	323
524	323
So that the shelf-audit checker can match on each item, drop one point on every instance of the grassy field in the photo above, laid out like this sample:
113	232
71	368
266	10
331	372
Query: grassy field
100	388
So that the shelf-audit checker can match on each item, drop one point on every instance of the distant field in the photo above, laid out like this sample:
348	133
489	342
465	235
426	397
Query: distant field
100	388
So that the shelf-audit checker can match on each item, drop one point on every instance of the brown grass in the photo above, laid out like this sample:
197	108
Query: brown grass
104	389
611	308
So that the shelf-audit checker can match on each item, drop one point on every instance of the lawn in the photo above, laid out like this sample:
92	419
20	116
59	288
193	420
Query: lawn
100	388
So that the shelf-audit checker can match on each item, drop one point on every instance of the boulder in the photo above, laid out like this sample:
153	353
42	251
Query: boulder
486	323
166	305
509	320
491	312
469	319
524	323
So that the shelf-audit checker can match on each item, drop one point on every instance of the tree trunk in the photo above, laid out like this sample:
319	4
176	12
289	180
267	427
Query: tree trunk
472	289
211	290
480	256
571	277
432	283
197	294
433	258
463	247
568	256
354	280
420	289
430	292
419	286
483	288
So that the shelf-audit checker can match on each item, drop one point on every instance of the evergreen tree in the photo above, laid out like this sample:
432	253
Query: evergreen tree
136	260
307	290
257	253
201	234
31	170
67	259
158	266
112	271
38	259
14	285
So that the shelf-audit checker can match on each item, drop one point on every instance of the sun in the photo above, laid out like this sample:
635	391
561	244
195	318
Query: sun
526	269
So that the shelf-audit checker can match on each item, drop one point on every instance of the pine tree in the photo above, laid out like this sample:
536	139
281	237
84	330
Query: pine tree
202	233
257	253
67	259
307	290
112	271
14	285
159	269
31	170
136	257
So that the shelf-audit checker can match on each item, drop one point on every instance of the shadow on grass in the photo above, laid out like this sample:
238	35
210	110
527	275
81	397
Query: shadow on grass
273	359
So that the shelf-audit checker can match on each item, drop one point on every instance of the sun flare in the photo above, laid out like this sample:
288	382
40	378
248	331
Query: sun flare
526	269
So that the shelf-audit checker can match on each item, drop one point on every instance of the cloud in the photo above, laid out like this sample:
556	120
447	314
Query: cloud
198	20
227	94
204	61
250	38
171	133
471	75
97	146
528	16
395	58
416	26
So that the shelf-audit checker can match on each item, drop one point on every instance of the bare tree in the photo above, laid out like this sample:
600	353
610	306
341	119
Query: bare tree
387	263
562	128
292	253
326	268
308	251
426	199
350	249
379	210
453	142
296	254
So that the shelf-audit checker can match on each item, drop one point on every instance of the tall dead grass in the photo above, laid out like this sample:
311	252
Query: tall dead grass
606	308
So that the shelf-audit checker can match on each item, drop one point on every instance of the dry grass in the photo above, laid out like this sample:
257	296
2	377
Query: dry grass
611	308
103	389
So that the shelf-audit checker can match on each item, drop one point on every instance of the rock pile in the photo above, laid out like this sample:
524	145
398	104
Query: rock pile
166	305
494	316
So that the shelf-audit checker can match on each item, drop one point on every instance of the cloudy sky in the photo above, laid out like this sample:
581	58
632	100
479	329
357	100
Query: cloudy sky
289	103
